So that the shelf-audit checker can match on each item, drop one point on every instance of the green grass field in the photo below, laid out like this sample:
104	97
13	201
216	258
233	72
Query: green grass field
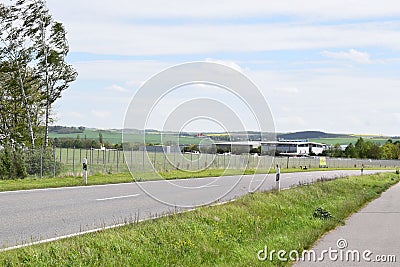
223	235
115	137
348	140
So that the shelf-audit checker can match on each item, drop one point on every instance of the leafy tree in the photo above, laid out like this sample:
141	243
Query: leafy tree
351	151
336	151
15	58
100	137
390	151
51	48
360	148
374	151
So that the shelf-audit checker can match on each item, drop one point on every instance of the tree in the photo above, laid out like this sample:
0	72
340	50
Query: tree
390	151
15	57
51	48
360	148
14	128
350	151
100	137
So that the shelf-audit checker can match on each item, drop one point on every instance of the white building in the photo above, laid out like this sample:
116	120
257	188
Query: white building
292	148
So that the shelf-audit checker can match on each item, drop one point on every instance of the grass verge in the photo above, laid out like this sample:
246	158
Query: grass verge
98	179
224	235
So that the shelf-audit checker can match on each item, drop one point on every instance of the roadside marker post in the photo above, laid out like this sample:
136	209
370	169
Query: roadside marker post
84	166
278	178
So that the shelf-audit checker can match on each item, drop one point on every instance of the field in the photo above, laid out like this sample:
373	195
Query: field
115	137
224	235
348	140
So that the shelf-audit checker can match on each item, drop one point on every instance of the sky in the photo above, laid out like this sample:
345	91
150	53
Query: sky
321	65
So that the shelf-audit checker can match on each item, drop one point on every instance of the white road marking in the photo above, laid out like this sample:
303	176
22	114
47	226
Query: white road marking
209	185
111	226
118	197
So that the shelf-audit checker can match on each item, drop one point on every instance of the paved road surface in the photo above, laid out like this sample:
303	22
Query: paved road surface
34	215
375	228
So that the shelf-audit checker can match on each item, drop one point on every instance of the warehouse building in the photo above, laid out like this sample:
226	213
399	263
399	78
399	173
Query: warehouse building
292	147
237	147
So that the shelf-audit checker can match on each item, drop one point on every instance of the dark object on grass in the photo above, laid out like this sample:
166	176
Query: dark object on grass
321	213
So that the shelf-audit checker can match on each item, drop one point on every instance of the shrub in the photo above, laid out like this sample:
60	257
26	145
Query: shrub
11	163
33	159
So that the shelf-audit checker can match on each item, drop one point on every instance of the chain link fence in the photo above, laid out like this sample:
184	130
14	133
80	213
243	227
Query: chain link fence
68	162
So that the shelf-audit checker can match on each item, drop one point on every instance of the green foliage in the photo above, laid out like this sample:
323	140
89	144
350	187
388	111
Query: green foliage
390	151
66	130
41	158
368	149
100	137
191	148
321	213
79	143
12	164
33	71
256	150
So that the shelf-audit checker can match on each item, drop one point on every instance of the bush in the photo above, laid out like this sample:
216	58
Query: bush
34	158
11	163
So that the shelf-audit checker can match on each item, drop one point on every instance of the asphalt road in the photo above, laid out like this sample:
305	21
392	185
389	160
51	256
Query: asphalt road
35	215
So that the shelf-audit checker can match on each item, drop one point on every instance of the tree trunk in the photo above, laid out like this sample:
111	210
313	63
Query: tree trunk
47	118
28	114
48	101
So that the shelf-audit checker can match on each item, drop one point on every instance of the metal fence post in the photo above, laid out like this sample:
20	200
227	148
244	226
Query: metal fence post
41	162
104	161
143	159
224	162
131	168
164	161
117	160
54	161
91	160
73	162
174	159
155	159
80	154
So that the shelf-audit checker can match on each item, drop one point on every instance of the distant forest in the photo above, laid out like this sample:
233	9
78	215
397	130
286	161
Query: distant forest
66	130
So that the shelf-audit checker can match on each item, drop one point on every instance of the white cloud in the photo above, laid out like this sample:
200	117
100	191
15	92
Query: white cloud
329	98
227	63
290	122
352	54
338	100
396	116
118	88
310	9
114	38
100	114
129	72
75	114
